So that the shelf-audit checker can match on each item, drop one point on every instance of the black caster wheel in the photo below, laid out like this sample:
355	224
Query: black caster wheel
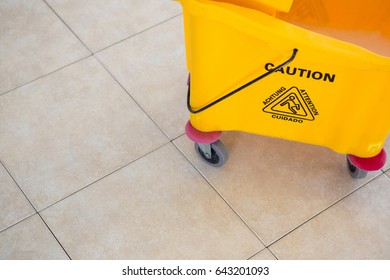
354	171
214	154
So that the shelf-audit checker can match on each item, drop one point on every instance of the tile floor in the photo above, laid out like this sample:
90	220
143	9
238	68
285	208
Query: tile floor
95	163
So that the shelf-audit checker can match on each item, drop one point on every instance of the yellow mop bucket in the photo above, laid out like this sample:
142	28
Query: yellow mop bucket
312	71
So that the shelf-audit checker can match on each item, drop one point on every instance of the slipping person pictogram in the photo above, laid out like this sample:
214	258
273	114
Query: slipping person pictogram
289	102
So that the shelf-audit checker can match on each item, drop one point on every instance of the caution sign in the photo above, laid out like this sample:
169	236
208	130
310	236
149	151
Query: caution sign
291	105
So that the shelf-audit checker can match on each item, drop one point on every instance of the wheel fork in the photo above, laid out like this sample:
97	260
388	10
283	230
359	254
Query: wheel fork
206	149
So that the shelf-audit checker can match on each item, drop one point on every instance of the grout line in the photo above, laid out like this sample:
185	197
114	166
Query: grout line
51	72
74	33
79	190
264	249
91	53
29	216
308	220
177	137
13	179
323	210
28	200
138	33
258	252
104	176
221	196
45	75
132	98
18	222
269	249
70	29
54	235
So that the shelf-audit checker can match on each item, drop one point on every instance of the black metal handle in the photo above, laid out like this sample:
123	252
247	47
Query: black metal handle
295	51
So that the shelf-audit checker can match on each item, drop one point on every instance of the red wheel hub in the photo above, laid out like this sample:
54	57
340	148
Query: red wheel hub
369	164
201	137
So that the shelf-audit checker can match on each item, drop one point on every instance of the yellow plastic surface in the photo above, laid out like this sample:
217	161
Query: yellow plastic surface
335	93
263	5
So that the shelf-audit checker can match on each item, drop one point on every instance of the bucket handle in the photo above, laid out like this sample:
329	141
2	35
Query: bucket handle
295	51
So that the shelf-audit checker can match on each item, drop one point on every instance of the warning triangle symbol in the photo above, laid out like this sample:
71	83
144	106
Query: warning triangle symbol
290	104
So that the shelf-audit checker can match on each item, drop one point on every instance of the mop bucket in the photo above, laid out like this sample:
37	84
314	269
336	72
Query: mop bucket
311	71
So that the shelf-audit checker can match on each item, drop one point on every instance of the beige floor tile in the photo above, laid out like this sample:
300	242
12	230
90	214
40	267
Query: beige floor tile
14	206
30	240
69	129
264	255
151	66
33	42
159	207
355	228
100	23
275	185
